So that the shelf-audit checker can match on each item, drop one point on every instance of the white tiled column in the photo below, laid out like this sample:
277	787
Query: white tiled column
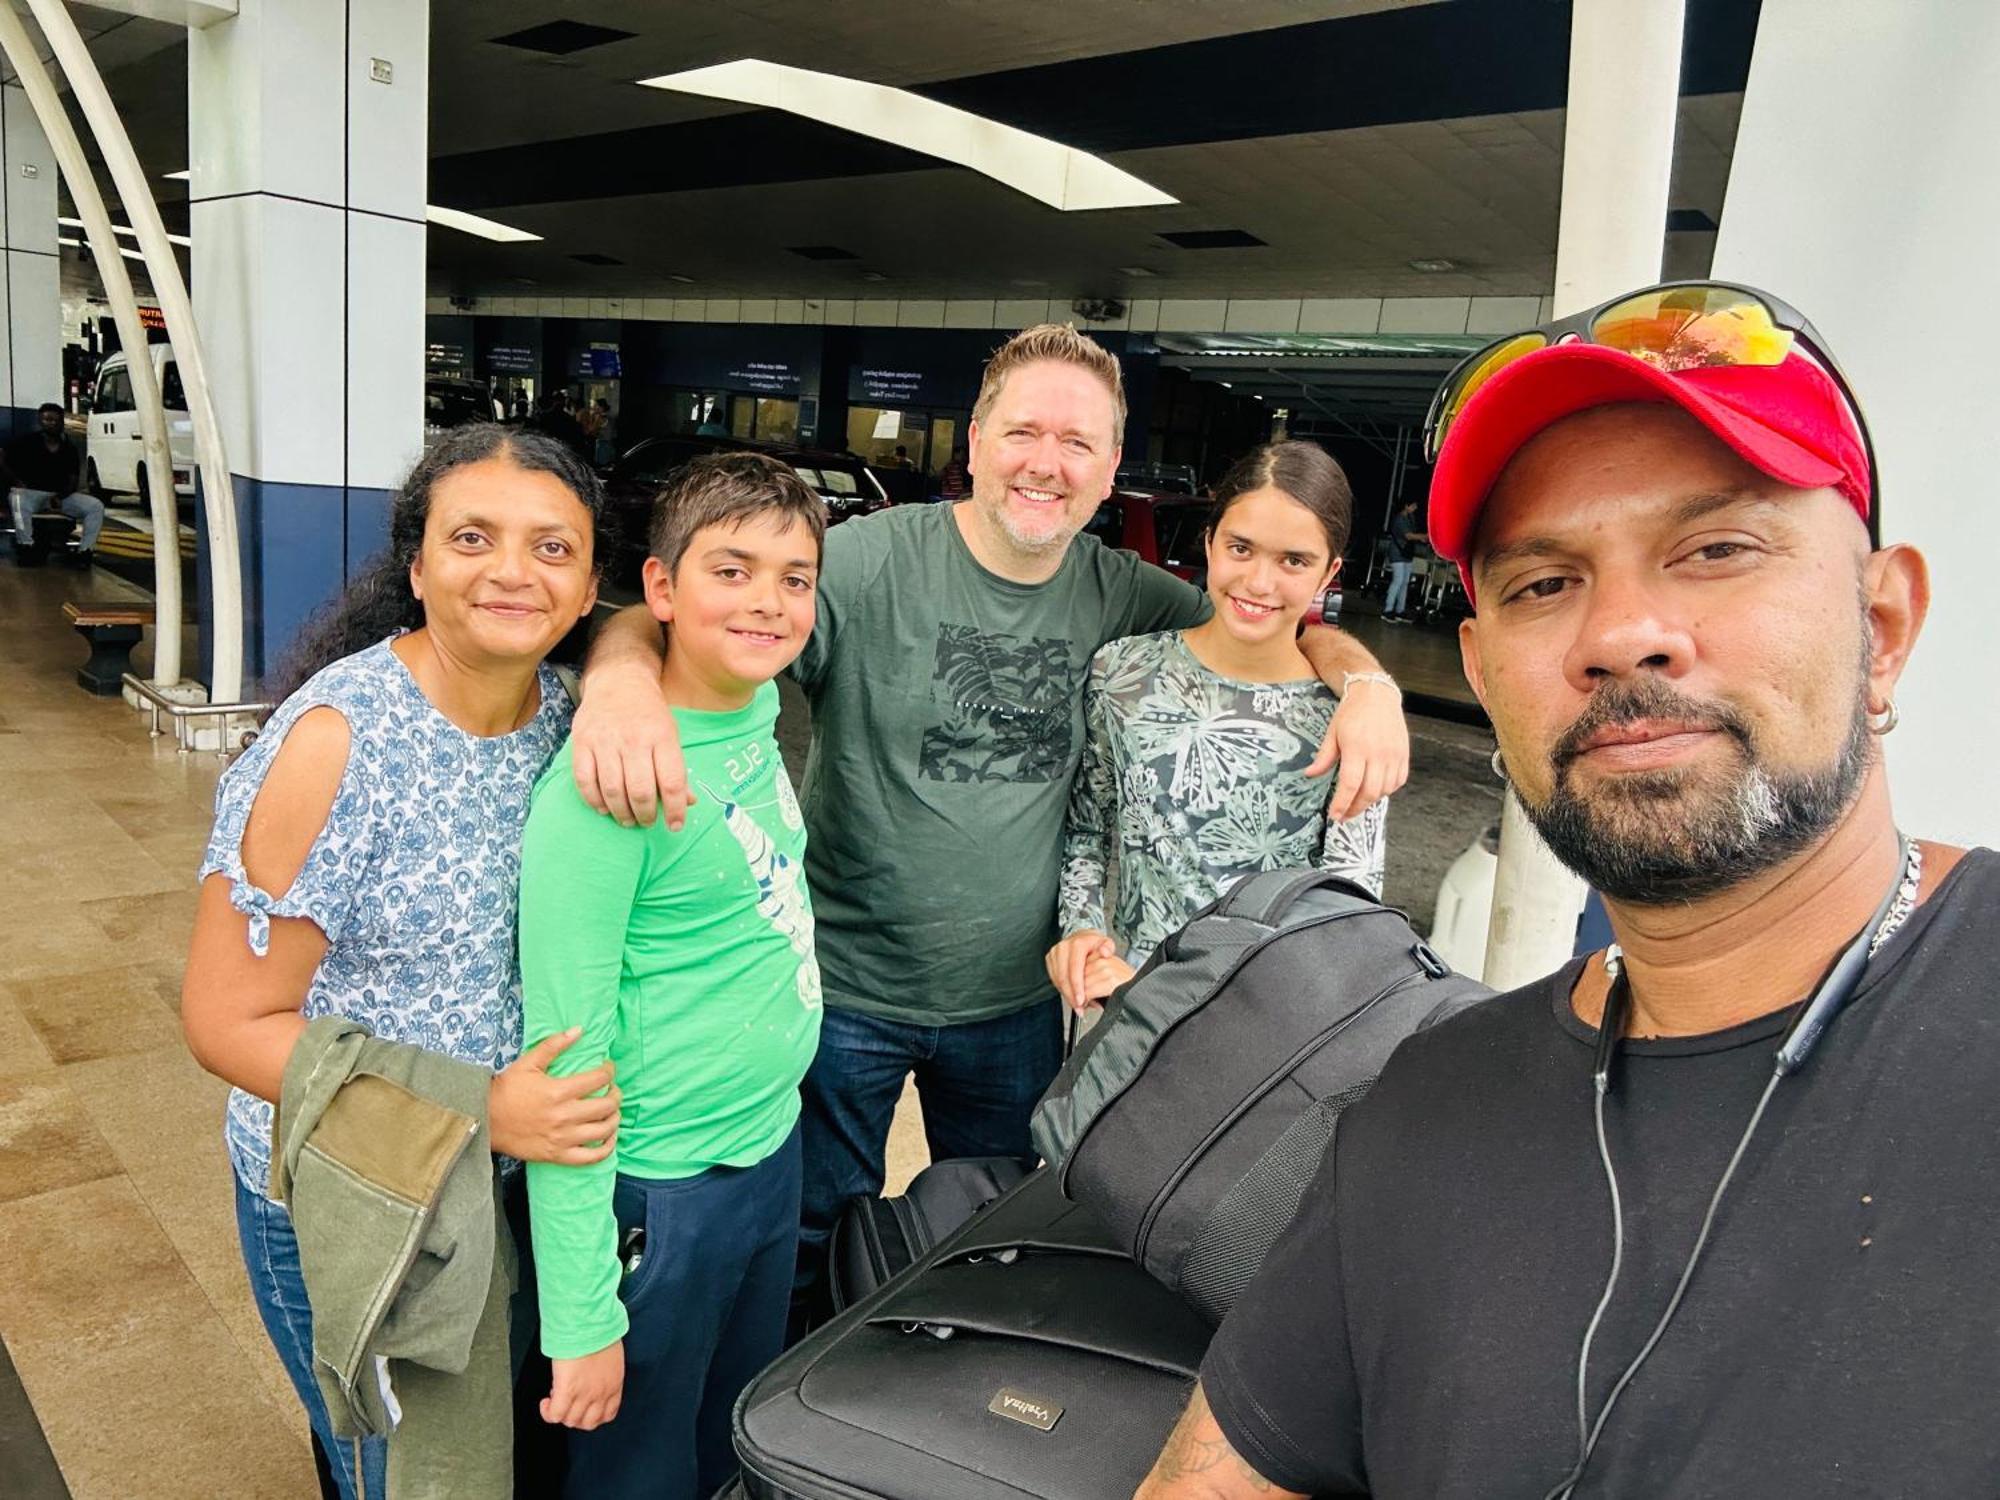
30	295
307	128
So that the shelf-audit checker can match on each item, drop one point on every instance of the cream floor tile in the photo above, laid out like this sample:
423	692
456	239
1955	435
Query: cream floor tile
139	1385
21	1051
102	1013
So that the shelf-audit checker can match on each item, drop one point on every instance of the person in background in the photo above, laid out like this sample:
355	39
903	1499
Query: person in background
366	853
936	809
1197	741
687	958
954	479
1403	539
1710	1212
43	472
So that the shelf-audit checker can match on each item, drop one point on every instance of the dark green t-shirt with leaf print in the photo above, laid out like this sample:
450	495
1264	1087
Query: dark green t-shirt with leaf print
947	726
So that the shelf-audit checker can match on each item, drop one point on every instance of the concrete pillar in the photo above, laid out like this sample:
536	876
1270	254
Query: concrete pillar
307	128
1618	152
1866	192
30	288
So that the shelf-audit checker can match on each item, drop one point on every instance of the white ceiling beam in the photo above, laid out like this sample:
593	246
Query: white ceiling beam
1058	175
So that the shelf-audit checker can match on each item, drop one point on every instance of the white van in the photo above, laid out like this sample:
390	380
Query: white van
115	453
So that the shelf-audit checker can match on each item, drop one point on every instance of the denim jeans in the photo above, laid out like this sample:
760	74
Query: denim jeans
1399	587
706	1305
271	1256
86	510
978	1084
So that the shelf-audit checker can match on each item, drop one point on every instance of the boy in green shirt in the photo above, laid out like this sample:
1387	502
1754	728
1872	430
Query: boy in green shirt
687	958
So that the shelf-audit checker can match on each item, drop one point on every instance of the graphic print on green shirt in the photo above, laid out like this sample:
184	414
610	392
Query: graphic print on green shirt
947	724
688	959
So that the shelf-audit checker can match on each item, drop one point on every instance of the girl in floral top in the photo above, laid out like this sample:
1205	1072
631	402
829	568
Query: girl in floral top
1198	741
367	848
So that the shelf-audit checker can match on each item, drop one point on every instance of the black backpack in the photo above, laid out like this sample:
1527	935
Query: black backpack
1191	1118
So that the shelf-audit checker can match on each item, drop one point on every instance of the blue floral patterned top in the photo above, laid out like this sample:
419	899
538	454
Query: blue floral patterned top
1190	781
413	880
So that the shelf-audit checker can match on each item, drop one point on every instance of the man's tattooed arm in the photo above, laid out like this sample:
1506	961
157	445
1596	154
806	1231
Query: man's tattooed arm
1199	1464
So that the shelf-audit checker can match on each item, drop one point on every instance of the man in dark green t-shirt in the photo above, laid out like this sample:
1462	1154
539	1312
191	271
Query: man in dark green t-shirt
946	679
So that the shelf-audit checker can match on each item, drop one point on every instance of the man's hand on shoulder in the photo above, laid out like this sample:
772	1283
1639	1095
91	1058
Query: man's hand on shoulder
1199	1464
625	750
1368	739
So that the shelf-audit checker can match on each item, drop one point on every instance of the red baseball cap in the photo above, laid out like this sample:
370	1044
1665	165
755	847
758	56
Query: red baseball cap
1788	420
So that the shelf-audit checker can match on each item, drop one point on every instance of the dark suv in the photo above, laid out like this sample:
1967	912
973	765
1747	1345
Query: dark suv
841	480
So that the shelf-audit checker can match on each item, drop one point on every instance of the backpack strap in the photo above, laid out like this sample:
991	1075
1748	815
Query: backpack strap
1266	896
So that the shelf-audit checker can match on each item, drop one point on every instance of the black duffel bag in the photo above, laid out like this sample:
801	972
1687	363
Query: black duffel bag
1191	1118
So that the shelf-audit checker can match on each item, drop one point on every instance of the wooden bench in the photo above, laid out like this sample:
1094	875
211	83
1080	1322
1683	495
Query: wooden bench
111	630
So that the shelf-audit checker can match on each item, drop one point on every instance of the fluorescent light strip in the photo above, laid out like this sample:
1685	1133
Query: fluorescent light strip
125	229
486	229
1060	176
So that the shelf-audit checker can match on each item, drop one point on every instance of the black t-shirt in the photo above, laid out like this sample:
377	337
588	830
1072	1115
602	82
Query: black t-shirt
34	467
1414	1336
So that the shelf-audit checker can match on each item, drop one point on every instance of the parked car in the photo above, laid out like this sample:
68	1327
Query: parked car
114	450
842	481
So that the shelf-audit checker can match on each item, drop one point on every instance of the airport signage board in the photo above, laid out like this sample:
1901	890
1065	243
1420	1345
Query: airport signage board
756	359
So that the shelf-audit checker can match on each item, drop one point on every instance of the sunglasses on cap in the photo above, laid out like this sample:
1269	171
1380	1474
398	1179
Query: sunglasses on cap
1675	326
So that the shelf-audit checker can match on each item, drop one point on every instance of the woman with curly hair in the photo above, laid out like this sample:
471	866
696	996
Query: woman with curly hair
365	859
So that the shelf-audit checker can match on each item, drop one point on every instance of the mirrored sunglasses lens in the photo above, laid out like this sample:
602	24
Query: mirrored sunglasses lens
1693	327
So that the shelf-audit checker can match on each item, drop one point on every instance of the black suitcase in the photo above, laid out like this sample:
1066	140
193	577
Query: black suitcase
1025	1358
877	1238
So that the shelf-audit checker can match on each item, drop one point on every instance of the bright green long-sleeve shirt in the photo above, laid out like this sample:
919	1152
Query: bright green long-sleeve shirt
688	959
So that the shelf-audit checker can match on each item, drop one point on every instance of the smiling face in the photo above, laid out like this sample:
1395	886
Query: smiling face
1043	457
1268	559
740	603
1675	651
506	564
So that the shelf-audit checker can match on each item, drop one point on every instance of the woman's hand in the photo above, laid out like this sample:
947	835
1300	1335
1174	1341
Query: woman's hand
1069	966
586	1391
535	1117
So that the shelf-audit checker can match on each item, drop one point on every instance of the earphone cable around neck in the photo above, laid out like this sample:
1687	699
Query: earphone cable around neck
1808	1024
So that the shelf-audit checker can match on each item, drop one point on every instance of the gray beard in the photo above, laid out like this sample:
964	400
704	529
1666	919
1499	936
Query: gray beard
1663	837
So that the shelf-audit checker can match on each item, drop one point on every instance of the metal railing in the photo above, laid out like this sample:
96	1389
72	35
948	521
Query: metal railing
185	714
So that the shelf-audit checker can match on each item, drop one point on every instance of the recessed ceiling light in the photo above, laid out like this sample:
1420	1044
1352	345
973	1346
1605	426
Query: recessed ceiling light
1211	239
486	229
125	229
1433	263
183	175
1138	271
1058	175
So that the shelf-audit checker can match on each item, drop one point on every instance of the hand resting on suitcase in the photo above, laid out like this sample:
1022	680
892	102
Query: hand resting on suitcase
1199	1464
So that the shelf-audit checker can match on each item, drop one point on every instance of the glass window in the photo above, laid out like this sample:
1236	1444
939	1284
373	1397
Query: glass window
172	397
114	391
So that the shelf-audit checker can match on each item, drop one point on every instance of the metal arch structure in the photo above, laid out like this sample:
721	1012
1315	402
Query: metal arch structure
225	564
23	57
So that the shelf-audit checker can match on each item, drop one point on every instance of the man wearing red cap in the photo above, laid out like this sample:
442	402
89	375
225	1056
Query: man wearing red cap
1713	1212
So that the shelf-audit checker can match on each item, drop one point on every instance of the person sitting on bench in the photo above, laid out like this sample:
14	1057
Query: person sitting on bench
43	470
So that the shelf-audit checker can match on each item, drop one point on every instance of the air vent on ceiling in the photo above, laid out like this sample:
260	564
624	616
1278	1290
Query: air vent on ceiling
822	252
1689	221
1210	239
560	38
597	258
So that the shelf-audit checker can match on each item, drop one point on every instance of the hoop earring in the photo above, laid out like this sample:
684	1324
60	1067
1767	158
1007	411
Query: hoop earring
1889	720
1500	766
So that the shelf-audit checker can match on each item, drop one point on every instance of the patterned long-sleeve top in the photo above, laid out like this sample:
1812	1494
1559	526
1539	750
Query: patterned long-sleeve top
1195	780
